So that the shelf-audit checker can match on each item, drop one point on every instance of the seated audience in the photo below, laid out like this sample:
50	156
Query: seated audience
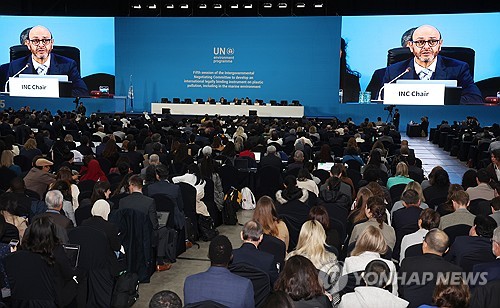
495	208
460	201
38	178
334	238
419	274
405	220
428	219
449	293
401	176
291	193
483	190
266	215
492	269
305	181
416	187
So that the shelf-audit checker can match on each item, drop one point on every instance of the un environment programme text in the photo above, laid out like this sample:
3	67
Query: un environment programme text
223	80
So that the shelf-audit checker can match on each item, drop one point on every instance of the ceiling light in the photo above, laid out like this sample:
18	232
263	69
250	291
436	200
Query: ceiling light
137	7
202	6
267	5
234	6
318	5
282	5
247	6
301	5
184	6
169	6
152	6
217	6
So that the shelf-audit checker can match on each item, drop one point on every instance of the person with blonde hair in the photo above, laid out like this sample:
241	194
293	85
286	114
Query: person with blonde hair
240	132
7	161
311	244
30	149
401	176
265	214
370	246
416	187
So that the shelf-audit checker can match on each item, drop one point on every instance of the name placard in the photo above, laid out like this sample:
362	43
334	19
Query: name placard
414	94
34	87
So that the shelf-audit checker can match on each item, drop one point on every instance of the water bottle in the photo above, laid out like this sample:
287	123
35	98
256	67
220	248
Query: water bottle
341	96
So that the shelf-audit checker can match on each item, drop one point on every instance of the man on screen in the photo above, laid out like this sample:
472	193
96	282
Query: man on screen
427	64
41	61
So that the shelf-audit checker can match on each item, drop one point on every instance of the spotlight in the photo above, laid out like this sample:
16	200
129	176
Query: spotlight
217	6
169	6
318	5
300	5
247	6
184	6
282	5
202	6
234	6
152	6
136	7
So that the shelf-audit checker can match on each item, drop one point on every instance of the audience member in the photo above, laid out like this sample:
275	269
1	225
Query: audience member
495	209
492	269
401	176
38	178
218	284
428	219
265	214
494	167
460	201
165	299
483	189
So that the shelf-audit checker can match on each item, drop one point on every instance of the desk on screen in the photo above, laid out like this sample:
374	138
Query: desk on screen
93	105
230	110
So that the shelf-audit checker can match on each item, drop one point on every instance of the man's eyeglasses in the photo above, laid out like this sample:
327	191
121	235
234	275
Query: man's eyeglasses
421	43
43	41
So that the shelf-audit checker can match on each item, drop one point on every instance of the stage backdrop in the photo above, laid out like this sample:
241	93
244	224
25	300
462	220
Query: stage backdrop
291	58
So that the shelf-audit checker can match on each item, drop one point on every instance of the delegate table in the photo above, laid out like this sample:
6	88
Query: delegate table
229	110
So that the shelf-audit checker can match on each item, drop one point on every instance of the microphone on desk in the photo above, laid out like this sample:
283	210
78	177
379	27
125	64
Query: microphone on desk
407	70
15	75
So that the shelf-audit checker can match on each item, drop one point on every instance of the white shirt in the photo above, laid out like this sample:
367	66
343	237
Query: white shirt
201	207
411	239
419	68
36	65
310	185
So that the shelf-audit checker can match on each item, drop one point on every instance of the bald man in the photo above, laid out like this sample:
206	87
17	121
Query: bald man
418	275
43	62
428	64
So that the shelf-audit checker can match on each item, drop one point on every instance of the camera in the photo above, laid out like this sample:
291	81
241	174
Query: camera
389	108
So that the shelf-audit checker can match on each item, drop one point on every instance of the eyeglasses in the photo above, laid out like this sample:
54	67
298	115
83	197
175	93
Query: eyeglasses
43	41
421	43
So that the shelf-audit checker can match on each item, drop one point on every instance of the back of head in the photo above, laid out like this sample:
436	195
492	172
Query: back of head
252	231
165	299
54	199
136	181
371	239
430	219
377	274
377	208
483	176
278	299
271	150
220	251
449	293
410	197
298	156
299	279
484	225
460	197
436	241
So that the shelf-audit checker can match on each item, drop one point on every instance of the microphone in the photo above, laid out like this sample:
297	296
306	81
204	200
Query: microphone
15	75
407	70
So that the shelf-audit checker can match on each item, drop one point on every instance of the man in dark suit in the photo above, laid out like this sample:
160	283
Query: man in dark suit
492	269
474	248
427	64
218	284
405	220
54	200
248	253
271	158
42	62
418	275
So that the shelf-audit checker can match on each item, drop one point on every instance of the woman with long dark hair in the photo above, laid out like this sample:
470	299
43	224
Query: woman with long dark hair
40	274
349	79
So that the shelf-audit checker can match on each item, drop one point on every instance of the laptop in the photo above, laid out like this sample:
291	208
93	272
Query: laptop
325	166
241	164
257	156
73	253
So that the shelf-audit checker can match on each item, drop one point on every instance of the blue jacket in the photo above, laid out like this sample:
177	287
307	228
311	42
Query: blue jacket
446	69
218	284
59	65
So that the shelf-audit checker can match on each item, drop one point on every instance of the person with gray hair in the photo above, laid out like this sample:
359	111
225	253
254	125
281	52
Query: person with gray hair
248	253
419	274
491	268
271	159
54	201
153	160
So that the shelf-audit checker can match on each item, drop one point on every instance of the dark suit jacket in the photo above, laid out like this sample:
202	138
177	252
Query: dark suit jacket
63	224
108	228
171	190
446	69
270	160
409	287
467	251
249	254
492	268
143	204
219	285
59	65
376	82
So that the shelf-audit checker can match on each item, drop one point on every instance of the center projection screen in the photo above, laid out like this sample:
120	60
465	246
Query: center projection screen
259	58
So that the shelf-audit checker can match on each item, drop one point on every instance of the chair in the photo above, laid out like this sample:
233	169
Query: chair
456	230
355	177
260	280
94	81
188	101
176	100
269	181
229	177
19	51
486	295
209	201
395	191
165	204
354	164
94	259
351	281
294	215
413	251
86	185
464	54
86	194
274	246
323	175
480	207
489	86
23	162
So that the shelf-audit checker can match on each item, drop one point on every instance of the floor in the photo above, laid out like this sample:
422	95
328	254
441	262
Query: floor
195	260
